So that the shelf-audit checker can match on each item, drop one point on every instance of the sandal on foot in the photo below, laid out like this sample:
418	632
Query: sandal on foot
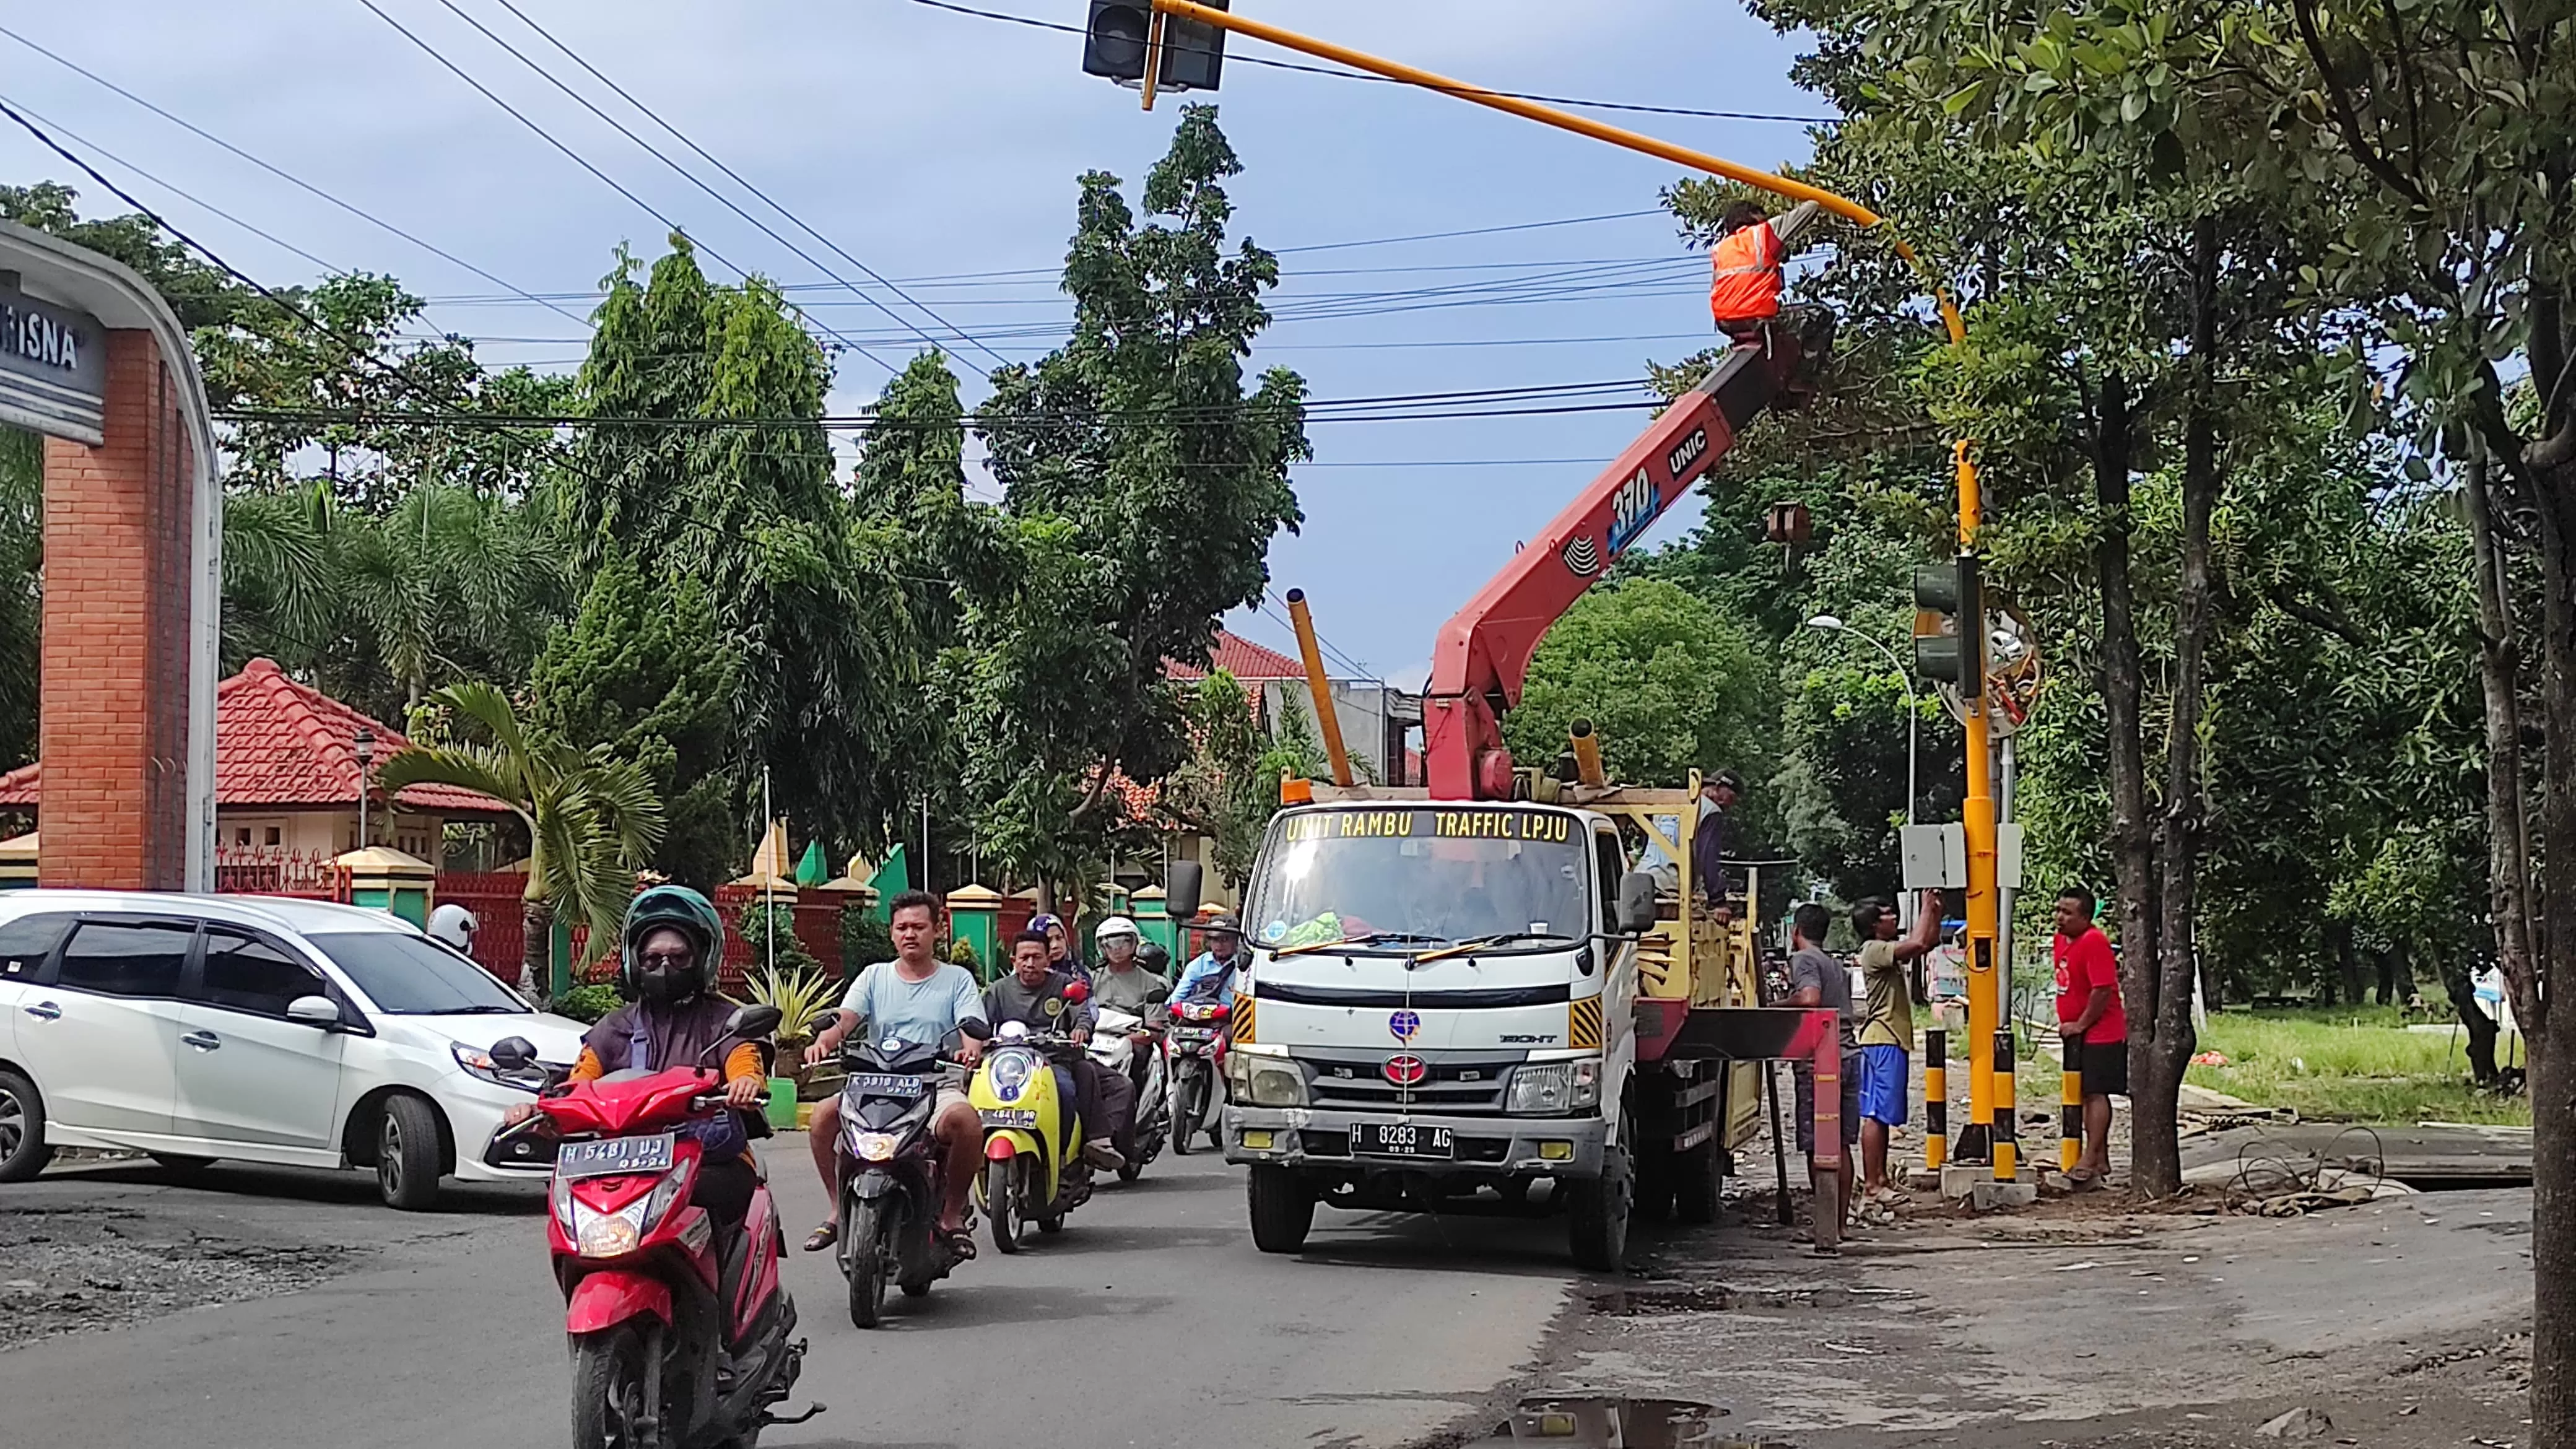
960	1243
822	1237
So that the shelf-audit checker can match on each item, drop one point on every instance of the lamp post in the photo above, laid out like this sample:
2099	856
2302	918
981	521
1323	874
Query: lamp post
1913	714
365	745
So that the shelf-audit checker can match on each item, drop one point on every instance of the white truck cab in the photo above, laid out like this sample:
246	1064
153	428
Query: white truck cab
1441	999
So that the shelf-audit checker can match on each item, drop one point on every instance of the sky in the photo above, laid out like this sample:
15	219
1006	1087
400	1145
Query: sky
937	150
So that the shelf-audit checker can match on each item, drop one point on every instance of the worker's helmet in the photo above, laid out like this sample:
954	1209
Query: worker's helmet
1117	926
1222	924
693	916
453	926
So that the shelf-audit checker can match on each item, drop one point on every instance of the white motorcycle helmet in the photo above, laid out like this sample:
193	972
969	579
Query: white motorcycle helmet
453	926
1117	926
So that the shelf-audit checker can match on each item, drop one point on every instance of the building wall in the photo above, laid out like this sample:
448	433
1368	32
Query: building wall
327	833
115	654
1364	710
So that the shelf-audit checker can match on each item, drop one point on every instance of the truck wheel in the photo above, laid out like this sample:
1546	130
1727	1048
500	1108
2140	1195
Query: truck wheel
1652	1199
1597	1214
1283	1209
1695	1184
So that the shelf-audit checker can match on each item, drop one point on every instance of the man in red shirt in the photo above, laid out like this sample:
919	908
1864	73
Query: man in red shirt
2096	1030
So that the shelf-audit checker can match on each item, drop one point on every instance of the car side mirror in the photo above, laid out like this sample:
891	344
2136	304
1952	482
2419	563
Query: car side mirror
319	1011
1183	880
1636	903
1158	996
755	1020
514	1054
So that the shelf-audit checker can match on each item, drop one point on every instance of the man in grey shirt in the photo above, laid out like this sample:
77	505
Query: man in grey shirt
1034	996
1817	979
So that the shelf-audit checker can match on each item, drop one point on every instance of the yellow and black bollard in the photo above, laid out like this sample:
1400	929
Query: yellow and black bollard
1936	1099
2070	1107
2007	1163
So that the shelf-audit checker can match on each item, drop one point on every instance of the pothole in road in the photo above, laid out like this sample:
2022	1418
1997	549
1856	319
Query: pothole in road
105	1267
1616	1423
1664	1299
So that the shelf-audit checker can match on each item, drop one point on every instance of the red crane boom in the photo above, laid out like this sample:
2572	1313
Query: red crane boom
1484	651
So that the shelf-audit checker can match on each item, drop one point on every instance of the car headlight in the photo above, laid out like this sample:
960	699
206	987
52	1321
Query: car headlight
1277	1084
1009	1072
1551	1089
872	1146
477	1062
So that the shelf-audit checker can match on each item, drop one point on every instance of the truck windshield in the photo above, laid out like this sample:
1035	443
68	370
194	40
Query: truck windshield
1410	876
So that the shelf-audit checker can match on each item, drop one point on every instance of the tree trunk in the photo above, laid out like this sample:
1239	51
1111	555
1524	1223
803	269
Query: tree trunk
2132	858
2390	993
2552	1080
536	955
2347	960
2212	984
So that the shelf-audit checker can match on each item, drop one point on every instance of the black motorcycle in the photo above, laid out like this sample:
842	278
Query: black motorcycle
892	1174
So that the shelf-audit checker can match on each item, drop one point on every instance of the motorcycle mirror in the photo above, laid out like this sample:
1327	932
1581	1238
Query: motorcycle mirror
1077	993
514	1054
757	1019
976	1027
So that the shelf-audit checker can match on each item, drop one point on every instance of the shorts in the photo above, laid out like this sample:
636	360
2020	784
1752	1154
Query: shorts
948	1095
1886	1077
1807	1104
2105	1065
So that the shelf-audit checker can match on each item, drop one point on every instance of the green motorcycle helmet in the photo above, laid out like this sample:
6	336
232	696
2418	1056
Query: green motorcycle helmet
693	916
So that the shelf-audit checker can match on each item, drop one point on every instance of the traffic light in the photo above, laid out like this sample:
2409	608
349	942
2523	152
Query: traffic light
1949	623
1115	43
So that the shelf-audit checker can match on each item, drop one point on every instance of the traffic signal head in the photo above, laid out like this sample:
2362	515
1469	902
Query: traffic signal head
1115	43
1949	623
1114	46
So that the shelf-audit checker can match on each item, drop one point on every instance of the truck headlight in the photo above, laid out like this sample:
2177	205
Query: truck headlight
1277	1084
1238	1076
1553	1089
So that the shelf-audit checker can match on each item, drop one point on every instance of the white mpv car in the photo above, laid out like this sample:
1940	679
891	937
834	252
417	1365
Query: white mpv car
265	1029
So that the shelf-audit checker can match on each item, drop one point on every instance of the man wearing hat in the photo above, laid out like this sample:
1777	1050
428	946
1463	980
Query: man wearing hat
1716	839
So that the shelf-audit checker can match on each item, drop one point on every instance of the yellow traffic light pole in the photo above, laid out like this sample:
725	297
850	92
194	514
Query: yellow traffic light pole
1986	975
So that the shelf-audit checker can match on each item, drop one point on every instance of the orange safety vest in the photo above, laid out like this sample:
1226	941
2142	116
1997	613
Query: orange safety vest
1744	284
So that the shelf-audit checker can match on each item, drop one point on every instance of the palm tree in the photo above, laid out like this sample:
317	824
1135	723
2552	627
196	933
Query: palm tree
591	820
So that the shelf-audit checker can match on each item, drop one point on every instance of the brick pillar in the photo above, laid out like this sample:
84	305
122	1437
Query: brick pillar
113	737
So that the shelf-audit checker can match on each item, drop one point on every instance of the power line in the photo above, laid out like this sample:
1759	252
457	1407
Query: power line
739	180
1342	74
293	180
576	157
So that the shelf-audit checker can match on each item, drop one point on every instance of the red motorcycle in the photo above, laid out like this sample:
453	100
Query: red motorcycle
679	1328
1194	1063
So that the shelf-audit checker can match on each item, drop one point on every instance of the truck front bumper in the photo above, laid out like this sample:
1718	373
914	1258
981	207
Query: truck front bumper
1484	1147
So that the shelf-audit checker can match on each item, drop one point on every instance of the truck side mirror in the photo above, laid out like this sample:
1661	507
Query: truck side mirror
1182	882
1636	903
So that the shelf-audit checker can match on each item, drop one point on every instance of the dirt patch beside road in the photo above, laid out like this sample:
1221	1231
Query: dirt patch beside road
99	1266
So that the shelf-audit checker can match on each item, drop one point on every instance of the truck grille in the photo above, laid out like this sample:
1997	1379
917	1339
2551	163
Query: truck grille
1469	1087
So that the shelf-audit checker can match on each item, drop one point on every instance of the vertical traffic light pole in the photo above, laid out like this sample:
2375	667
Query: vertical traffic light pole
1985	972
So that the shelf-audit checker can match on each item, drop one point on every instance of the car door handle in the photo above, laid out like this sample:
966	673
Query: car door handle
45	1011
204	1041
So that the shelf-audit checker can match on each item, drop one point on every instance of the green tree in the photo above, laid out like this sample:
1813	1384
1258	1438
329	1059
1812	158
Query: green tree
592	819
1668	682
1142	487
646	670
22	552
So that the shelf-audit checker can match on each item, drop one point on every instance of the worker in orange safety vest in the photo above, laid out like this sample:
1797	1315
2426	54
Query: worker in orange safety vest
1744	280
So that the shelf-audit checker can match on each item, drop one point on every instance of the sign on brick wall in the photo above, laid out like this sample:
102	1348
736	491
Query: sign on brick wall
53	367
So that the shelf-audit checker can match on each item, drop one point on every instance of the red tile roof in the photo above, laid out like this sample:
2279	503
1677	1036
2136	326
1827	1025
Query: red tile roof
1241	658
280	744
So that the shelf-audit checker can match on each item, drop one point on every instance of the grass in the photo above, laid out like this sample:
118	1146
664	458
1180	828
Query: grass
2350	1064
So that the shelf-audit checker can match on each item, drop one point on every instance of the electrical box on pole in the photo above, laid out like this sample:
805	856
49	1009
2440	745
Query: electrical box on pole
1949	623
1120	37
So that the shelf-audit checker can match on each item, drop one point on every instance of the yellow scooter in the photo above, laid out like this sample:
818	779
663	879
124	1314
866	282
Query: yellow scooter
1033	1167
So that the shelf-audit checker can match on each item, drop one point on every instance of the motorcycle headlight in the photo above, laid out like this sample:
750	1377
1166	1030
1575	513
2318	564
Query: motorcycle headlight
610	1235
1009	1072
1551	1089
1277	1084
872	1146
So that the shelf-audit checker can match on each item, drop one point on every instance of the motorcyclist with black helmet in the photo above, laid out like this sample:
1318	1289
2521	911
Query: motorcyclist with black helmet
673	944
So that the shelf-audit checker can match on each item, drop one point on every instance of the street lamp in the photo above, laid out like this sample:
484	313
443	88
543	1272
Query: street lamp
1913	714
365	744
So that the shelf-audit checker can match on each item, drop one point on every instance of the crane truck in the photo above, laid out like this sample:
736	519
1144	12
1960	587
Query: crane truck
1471	985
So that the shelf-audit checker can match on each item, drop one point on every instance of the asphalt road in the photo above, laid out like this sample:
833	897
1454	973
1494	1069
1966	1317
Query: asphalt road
1150	1321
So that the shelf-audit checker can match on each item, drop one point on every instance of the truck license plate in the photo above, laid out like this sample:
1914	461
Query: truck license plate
1400	1139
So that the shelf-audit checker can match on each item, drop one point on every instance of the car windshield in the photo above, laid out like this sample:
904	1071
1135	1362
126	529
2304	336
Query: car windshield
1399	879
407	975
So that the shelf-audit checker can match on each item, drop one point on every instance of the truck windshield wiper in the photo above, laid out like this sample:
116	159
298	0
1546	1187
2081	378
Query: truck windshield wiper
1482	943
1373	938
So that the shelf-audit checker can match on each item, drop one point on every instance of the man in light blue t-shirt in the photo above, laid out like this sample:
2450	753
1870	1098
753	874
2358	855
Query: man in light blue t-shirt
916	998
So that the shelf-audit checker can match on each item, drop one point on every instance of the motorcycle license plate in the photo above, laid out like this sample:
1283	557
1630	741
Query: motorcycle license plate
1010	1116
882	1084
616	1156
1400	1139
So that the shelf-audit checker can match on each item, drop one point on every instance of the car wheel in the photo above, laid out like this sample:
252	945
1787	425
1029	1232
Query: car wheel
407	1154
23	1148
